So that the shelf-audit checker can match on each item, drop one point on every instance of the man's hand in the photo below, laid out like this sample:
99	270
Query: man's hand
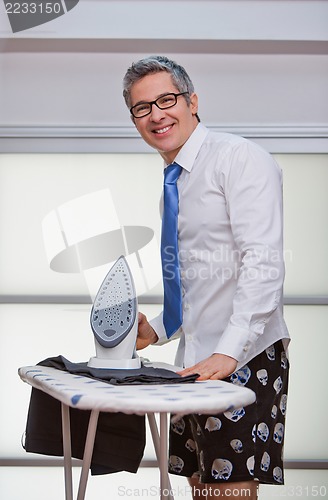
146	333
216	367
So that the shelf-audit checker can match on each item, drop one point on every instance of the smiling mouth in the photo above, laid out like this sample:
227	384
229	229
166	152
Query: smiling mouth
163	130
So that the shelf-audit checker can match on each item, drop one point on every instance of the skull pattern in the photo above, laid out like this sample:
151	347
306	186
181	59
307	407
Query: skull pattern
271	353
241	376
190	445
236	445
213	424
254	433
265	462
221	469
263	431
284	362
250	465
283	404
274	411
176	464
277	385
278	433
262	376
179	426
277	475
235	415
200	436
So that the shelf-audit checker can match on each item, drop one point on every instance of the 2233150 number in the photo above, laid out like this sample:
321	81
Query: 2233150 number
33	8
301	491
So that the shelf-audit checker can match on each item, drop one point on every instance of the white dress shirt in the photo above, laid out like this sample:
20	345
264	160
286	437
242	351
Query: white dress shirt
230	249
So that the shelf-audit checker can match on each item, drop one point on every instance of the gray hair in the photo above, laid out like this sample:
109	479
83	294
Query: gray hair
156	64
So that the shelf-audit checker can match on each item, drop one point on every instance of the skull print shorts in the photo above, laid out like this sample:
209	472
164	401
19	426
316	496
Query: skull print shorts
242	444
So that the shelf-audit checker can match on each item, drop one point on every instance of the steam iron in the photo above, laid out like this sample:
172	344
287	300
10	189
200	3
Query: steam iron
114	320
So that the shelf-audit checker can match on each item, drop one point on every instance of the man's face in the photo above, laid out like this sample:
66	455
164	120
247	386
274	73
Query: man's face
164	129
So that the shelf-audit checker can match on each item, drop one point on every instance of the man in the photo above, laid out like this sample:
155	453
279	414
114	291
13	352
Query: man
231	271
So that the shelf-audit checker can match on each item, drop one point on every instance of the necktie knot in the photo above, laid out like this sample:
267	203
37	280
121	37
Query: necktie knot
172	173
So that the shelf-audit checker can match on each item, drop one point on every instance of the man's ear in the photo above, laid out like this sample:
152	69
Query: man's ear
194	103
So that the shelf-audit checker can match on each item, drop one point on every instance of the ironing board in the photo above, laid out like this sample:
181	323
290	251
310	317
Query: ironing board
211	396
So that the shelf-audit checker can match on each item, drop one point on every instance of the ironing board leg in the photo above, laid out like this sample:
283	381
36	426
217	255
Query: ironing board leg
88	449
161	453
160	445
67	452
154	433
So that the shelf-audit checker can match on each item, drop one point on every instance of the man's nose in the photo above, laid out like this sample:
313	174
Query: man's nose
156	113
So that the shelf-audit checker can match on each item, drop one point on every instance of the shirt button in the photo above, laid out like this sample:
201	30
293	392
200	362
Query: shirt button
189	337
245	348
183	274
186	307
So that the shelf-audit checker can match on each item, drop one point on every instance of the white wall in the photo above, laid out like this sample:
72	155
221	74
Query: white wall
42	182
260	68
85	90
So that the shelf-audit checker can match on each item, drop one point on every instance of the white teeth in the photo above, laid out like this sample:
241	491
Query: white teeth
162	130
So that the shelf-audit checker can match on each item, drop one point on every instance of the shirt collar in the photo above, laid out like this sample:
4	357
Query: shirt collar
189	151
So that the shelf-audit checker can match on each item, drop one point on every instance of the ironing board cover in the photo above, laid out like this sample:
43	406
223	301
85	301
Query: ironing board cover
84	393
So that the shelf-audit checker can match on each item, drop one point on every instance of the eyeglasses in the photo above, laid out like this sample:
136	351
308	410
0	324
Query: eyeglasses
164	102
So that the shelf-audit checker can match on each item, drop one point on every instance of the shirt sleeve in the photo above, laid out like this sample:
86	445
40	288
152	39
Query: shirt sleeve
252	183
157	324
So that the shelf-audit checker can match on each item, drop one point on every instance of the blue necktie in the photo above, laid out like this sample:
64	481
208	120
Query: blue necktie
172	315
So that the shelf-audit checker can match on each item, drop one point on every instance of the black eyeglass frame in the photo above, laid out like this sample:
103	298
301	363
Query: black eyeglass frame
156	104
